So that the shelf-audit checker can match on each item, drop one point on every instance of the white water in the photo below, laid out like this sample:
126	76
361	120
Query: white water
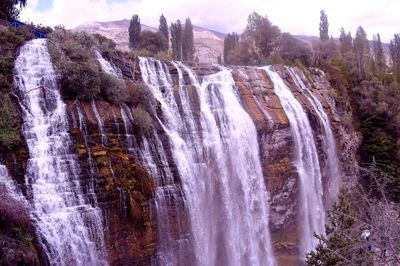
312	210
69	229
106	67
218	163
9	186
328	141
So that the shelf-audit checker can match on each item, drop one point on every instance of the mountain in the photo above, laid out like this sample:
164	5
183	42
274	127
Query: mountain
208	43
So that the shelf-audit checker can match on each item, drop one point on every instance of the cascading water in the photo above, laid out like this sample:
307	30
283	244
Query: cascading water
217	159
171	251
312	210
69	229
329	142
9	187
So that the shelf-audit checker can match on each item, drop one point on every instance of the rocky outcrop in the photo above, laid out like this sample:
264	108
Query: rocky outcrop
115	179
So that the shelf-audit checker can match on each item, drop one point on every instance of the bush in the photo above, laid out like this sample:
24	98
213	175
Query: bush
142	120
112	88
291	50
79	80
9	131
153	42
139	93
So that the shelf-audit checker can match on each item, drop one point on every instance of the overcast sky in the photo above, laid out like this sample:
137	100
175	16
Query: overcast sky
294	16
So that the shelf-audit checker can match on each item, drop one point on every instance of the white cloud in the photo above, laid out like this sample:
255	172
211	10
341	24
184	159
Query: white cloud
297	17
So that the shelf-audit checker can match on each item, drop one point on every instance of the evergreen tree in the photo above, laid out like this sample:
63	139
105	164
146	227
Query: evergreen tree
362	54
188	41
379	56
231	41
134	32
164	28
323	27
176	40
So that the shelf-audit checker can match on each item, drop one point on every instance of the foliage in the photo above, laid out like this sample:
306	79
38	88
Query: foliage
188	42
139	94
134	32
9	128
262	34
79	72
142	119
10	40
231	41
359	210
395	56
112	88
153	42
176	40
163	28
342	244
323	26
11	8
242	54
290	50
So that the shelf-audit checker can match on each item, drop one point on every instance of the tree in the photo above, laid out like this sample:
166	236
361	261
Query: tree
323	26
361	51
176	40
188	41
164	29
153	42
290	49
134	32
11	8
261	33
395	56
231	41
346	42
379	56
363	228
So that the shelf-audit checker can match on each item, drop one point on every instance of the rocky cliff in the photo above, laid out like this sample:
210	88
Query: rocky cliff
110	148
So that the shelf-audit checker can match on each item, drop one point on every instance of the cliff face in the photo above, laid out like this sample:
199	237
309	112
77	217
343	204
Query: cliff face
110	148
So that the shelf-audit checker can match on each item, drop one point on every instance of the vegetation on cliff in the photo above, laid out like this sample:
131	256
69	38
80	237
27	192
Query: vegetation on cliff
10	40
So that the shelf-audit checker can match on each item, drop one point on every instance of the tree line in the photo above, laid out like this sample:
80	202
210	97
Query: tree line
181	37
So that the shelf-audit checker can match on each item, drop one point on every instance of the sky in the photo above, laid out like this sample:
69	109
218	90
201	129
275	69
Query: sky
294	16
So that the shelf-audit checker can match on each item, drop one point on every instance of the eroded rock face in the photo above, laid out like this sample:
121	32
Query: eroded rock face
116	181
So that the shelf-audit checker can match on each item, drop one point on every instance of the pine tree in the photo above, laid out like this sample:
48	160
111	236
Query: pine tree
164	28
188	41
134	32
176	40
323	27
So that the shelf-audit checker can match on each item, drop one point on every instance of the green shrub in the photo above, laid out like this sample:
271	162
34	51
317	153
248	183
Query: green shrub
153	42
139	94
79	80
142	120
112	88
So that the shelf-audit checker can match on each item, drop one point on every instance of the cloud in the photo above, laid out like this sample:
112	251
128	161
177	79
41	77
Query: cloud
296	17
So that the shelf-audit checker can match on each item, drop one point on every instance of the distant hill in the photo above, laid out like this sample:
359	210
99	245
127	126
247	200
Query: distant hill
208	43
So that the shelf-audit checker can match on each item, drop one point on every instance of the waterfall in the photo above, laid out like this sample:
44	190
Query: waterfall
329	142
106	67
306	161
67	227
217	158
9	187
